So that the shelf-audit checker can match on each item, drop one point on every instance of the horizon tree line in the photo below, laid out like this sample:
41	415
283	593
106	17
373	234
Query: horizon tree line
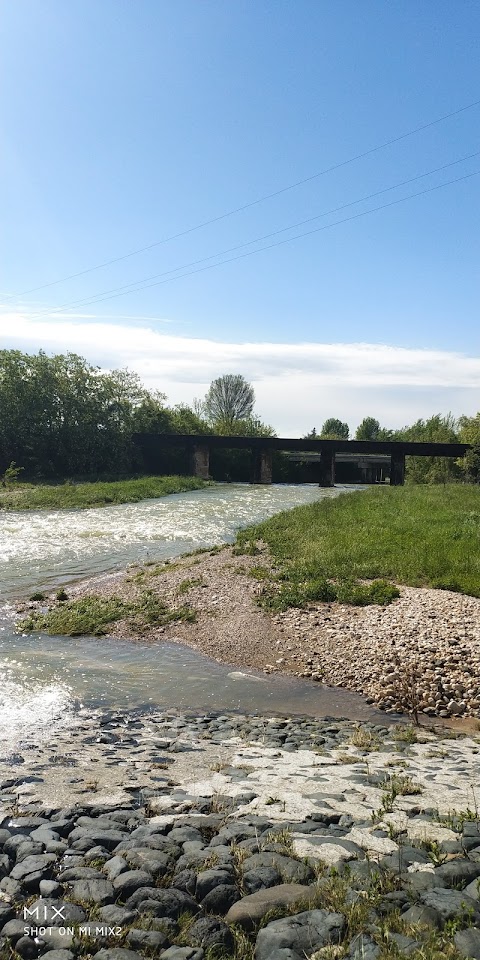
62	417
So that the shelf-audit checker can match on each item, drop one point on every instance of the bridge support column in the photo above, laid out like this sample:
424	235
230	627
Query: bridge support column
397	470
201	461
327	469
261	466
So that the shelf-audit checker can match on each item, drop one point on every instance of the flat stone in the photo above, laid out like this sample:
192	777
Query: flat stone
329	853
467	942
294	938
451	903
425	915
41	863
249	910
114	867
146	939
132	880
167	902
362	947
96	836
182	953
94	890
291	870
456	872
116	953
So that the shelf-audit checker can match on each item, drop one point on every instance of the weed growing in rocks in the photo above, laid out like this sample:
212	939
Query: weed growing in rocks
405	734
364	739
396	786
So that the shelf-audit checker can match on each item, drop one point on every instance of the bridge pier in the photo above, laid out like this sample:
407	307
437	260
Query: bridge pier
327	469
201	461
261	466
397	470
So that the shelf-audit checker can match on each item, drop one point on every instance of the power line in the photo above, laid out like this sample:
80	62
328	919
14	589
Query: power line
252	203
278	243
267	236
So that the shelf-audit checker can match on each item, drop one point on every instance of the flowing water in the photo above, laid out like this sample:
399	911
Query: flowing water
44	679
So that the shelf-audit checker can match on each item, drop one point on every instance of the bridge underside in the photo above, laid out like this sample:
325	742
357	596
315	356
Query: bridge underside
374	461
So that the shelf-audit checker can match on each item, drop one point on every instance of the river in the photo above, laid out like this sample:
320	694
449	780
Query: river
44	680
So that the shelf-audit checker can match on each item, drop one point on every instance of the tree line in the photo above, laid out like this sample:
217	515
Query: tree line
62	417
436	429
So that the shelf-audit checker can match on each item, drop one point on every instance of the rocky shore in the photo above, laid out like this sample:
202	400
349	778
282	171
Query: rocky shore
210	837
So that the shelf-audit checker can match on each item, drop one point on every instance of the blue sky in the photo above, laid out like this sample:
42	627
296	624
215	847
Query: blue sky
124	123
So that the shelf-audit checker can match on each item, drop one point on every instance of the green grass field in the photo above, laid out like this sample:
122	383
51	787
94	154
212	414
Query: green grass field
27	496
415	535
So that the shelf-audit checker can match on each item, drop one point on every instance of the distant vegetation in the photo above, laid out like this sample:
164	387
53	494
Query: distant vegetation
438	429
62	418
28	496
353	548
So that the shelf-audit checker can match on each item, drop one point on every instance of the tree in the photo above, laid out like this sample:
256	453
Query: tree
334	429
469	432
229	400
437	429
368	429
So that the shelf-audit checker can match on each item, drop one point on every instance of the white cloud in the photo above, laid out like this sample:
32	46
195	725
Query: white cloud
297	385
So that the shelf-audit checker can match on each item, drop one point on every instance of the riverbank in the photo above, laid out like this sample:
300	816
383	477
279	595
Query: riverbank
70	495
422	650
194	837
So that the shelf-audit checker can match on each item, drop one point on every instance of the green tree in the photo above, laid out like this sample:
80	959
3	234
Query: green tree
368	429
437	429
230	399
469	432
334	429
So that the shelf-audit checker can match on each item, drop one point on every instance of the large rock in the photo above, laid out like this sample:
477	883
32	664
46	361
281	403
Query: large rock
297	937
209	879
221	898
94	890
290	870
82	838
451	903
467	942
457	873
162	902
249	910
41	864
209	932
126	884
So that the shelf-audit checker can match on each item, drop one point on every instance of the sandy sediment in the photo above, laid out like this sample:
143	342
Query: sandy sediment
427	639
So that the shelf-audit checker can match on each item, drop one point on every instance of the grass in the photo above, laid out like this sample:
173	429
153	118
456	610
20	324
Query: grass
364	739
94	614
68	495
419	535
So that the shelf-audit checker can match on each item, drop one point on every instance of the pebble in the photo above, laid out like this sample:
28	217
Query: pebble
227	855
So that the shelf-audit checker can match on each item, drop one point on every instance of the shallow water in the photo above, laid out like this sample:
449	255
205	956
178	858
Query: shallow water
44	679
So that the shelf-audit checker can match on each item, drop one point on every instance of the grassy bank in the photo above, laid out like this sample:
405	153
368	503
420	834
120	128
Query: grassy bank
27	496
418	535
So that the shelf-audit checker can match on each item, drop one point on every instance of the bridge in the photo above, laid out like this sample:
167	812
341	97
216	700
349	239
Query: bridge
199	447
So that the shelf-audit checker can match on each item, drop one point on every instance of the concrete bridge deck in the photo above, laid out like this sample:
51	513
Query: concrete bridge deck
200	445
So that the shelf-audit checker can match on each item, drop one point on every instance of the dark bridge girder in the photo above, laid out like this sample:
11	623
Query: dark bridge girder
263	447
